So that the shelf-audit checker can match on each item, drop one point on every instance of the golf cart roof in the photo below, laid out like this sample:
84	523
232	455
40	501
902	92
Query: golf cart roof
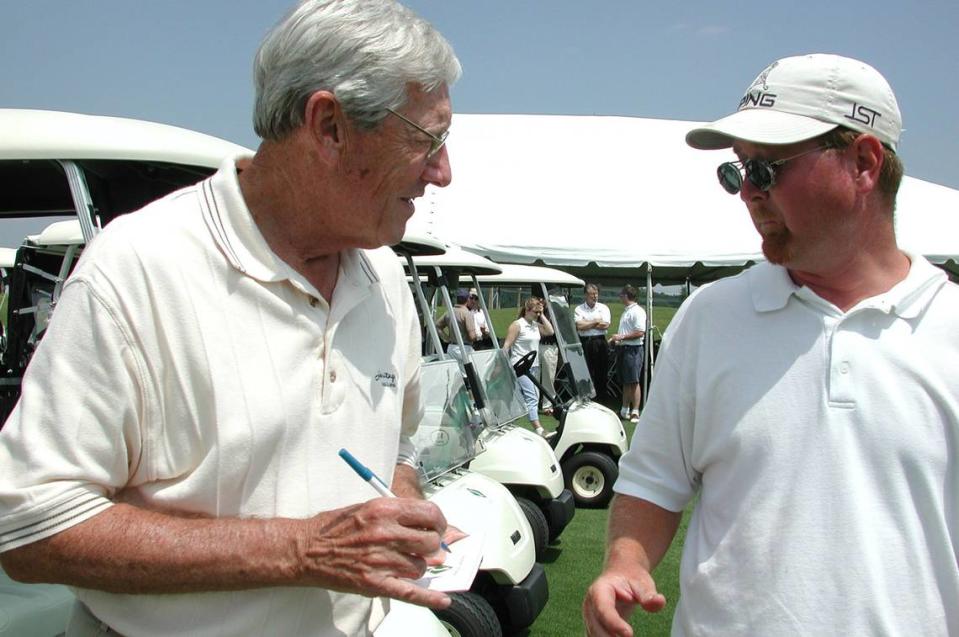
465	262
415	244
36	134
8	257
60	233
531	274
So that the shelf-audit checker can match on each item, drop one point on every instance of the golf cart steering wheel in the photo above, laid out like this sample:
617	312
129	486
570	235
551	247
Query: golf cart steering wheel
524	364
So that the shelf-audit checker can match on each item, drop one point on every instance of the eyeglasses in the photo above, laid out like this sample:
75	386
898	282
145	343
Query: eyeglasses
760	172
435	142
474	297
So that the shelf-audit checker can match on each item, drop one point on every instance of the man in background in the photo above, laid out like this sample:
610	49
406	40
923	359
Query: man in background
174	452
629	352
479	321
592	321
811	402
464	321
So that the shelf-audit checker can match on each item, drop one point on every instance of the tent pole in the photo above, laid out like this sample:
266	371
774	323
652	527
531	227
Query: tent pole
648	366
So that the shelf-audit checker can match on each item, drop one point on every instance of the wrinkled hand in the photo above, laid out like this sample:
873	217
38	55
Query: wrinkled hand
451	535
375	549
611	599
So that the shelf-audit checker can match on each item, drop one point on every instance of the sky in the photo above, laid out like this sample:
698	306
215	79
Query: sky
188	62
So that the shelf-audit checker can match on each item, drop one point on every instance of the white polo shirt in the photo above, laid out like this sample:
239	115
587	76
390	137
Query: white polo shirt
187	367
823	446
632	319
599	312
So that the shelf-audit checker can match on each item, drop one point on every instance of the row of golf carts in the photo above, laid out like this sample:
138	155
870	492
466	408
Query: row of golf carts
474	453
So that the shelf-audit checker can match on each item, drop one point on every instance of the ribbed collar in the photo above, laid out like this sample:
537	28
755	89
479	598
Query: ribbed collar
236	234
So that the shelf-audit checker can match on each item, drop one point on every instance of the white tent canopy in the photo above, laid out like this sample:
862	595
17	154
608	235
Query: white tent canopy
608	195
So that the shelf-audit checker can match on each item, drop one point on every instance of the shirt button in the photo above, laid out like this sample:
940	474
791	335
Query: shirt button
844	368
332	377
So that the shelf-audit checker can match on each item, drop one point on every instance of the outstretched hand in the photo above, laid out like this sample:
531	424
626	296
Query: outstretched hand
375	549
612	598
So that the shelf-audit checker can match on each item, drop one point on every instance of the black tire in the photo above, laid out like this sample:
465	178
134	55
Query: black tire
470	616
590	476
538	524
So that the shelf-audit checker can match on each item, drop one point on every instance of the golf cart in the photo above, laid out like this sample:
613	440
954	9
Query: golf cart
87	169
516	457
510	588
590	437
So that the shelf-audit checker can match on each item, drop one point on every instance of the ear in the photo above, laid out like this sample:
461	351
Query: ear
325	122
869	158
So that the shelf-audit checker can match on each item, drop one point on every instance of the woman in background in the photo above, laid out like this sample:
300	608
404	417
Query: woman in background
523	337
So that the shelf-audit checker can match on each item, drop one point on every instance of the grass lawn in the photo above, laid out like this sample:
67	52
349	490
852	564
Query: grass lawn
576	558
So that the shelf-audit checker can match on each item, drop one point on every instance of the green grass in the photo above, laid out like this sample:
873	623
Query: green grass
575	560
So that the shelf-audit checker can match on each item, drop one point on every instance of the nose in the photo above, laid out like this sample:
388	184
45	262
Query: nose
750	192
438	171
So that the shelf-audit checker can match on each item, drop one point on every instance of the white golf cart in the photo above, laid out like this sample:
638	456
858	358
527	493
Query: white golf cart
590	438
510	589
91	169
514	456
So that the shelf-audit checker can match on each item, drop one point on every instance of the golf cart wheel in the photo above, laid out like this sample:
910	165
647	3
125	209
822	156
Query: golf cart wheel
590	476
469	616
538	524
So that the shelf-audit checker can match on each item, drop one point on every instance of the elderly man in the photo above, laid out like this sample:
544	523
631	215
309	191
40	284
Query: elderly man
174	452
810	402
592	320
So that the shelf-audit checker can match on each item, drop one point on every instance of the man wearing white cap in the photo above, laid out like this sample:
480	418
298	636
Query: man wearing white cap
822	440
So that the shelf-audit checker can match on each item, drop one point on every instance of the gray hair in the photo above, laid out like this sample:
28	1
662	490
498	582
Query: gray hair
363	51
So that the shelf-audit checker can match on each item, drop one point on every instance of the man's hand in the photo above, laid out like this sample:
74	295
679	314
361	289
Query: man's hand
375	549
611	599
452	534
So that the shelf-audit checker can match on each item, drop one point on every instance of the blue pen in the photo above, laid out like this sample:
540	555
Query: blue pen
374	481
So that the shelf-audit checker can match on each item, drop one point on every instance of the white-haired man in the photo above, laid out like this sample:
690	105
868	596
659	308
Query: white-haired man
810	402
213	352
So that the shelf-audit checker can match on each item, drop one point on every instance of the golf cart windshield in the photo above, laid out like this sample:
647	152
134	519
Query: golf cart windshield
501	393
575	372
446	438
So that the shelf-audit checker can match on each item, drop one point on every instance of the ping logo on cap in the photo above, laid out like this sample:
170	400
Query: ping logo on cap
761	97
757	99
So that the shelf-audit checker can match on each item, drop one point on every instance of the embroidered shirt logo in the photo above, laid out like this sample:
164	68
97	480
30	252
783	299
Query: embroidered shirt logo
386	379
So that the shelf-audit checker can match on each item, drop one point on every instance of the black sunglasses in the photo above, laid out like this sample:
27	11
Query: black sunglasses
760	172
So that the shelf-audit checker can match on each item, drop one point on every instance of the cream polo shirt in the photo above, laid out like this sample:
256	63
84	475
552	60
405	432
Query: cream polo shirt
187	367
823	446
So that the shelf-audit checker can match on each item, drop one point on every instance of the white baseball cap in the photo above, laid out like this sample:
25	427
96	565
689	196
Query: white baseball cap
798	98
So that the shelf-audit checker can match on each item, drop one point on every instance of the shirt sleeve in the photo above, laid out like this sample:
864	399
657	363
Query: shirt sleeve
74	436
658	465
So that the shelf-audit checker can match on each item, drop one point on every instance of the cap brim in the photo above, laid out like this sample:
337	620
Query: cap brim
759	126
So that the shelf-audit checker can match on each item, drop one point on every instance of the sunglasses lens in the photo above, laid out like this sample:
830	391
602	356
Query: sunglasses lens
729	177
760	174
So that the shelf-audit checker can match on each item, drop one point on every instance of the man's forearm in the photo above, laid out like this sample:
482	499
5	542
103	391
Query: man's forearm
406	482
639	532
127	549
